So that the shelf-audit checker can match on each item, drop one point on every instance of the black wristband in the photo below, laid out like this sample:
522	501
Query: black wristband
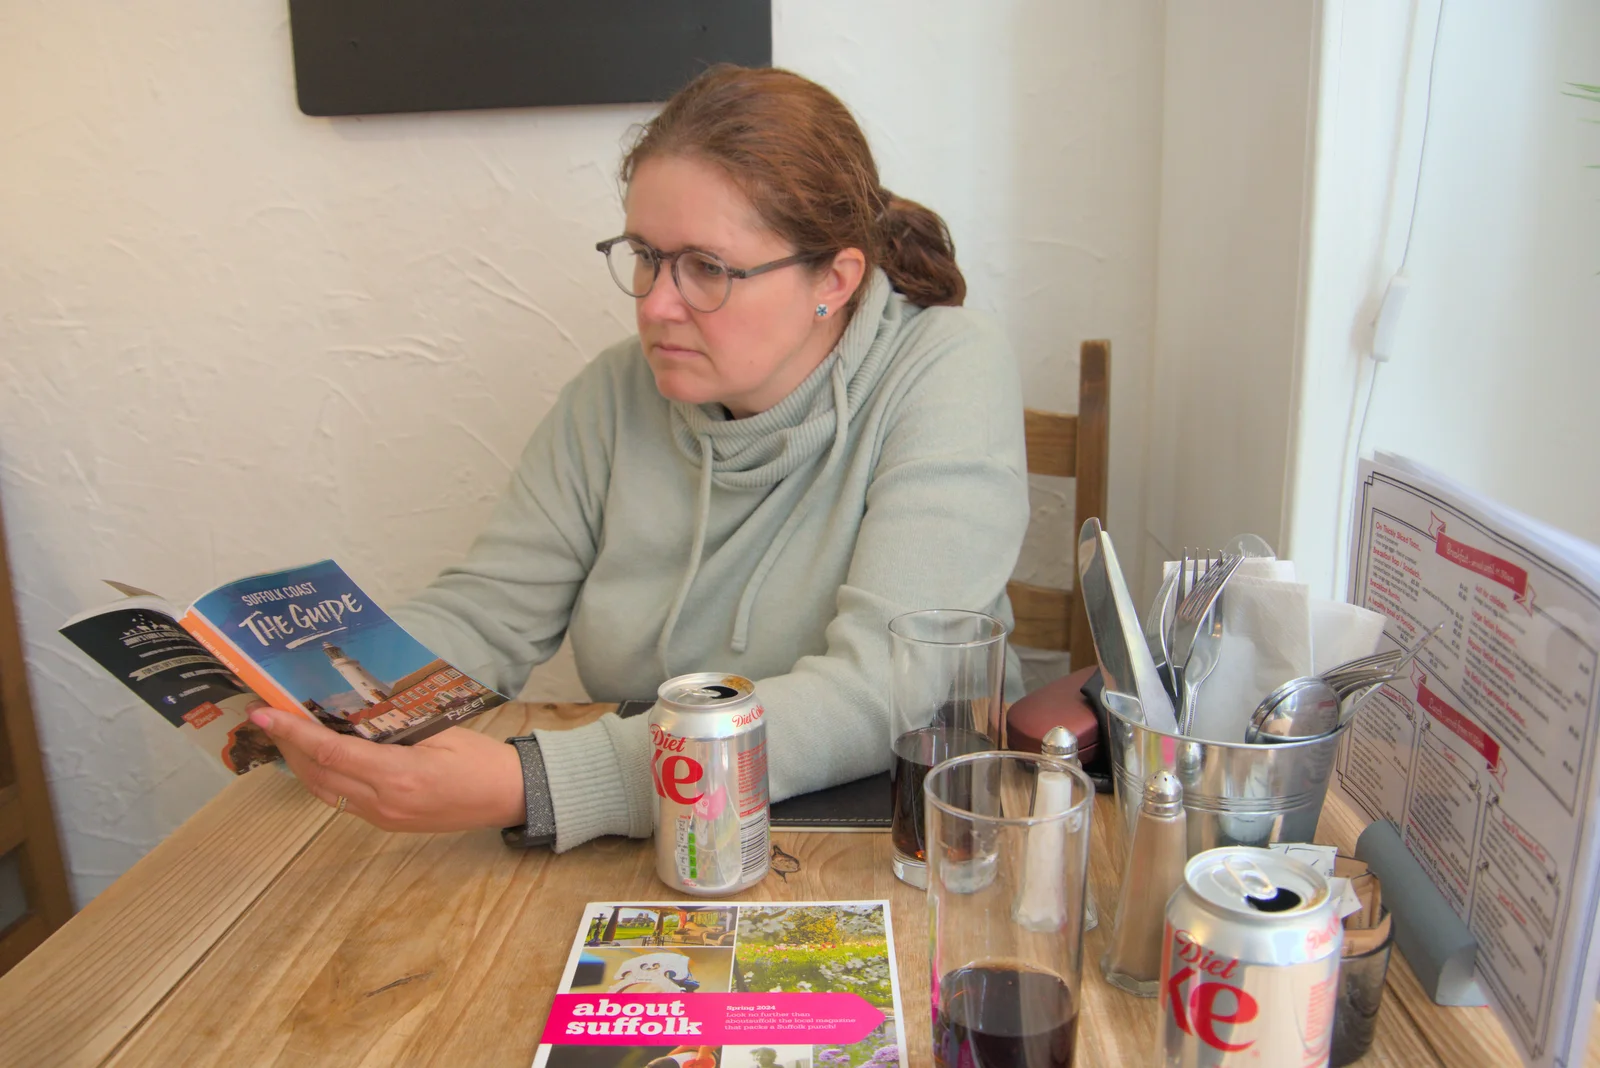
540	829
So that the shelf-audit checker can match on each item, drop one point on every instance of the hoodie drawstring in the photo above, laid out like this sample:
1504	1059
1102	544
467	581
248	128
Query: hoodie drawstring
696	548
841	430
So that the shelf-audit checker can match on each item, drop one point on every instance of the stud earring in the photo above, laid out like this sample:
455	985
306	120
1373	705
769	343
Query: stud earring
822	311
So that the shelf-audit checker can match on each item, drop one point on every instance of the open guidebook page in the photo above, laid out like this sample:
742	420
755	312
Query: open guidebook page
305	639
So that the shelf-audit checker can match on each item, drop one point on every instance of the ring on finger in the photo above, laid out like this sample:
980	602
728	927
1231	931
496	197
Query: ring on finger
343	801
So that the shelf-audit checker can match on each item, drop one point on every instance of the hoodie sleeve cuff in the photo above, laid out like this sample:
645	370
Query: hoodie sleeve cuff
599	777
540	828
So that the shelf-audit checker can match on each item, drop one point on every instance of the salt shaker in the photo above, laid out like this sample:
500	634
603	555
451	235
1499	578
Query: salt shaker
1061	743
1156	856
1042	898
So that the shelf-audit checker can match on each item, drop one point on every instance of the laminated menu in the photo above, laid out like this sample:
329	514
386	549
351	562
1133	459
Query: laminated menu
1484	756
306	639
703	984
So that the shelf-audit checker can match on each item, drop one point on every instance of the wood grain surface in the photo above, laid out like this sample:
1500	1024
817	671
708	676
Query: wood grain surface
1093	470
1052	442
28	836
97	979
266	931
1041	616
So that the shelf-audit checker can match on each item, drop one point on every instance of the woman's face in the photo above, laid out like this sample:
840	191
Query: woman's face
754	350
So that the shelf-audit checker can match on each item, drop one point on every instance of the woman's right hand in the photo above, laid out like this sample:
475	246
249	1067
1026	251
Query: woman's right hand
455	780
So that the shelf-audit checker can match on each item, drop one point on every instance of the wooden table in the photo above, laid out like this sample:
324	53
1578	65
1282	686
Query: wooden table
267	931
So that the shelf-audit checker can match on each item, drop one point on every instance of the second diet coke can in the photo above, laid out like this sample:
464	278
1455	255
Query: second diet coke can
708	758
1250	968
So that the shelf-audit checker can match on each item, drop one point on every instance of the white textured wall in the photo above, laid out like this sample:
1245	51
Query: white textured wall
233	338
1238	120
1494	373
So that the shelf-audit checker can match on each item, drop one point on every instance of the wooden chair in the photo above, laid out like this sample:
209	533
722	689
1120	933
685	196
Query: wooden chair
1075	447
28	844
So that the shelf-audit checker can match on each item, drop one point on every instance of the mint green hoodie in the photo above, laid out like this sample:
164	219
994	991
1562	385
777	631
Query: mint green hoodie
667	538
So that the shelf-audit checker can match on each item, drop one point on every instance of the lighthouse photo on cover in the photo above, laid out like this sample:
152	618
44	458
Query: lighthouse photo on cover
320	637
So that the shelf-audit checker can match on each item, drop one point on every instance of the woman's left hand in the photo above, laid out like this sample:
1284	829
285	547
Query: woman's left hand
455	780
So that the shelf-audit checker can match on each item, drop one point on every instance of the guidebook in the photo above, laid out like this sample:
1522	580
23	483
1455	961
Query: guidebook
306	639
704	984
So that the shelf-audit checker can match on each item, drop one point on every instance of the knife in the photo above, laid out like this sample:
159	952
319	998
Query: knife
1125	660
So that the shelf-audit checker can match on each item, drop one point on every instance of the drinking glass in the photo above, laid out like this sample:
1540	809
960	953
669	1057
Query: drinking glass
1355	1013
1008	855
947	671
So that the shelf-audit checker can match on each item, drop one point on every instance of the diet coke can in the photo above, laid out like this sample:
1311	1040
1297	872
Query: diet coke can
708	757
1250	968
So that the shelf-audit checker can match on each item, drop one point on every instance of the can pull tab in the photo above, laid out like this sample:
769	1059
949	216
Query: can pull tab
1259	891
1251	879
714	692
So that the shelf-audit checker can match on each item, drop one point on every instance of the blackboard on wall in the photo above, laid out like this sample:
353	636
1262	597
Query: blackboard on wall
365	57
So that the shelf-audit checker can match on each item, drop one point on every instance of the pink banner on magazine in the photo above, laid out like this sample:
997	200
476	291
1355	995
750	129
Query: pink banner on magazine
711	1019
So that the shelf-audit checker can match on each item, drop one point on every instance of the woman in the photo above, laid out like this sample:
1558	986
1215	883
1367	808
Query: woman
807	437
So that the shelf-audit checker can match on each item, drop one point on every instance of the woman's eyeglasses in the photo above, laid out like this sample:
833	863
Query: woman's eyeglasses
704	279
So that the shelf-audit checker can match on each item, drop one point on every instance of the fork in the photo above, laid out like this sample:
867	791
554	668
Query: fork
1198	637
1187	575
1189	572
1191	575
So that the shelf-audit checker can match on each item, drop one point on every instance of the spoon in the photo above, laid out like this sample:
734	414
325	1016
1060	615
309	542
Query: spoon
1250	546
1310	707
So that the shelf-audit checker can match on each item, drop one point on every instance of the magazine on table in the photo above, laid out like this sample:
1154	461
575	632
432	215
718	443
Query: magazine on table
304	639
703	984
1484	755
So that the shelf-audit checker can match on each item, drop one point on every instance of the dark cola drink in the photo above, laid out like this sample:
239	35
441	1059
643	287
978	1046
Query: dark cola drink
993	1016
915	754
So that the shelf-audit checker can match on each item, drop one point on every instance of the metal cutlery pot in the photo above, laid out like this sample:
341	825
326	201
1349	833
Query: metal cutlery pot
1233	793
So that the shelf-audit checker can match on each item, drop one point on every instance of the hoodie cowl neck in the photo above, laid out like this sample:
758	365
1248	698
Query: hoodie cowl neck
763	449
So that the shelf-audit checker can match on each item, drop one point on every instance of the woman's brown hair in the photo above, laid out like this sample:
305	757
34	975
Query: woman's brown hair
795	150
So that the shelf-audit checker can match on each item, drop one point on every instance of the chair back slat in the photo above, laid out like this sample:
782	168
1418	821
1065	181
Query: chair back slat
1043	616
1052	440
1077	447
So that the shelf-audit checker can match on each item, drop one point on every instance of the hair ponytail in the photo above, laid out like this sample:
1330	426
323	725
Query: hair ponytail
918	255
795	150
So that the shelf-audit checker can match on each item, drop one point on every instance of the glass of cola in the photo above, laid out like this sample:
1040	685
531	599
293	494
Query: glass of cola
1007	863
947	672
